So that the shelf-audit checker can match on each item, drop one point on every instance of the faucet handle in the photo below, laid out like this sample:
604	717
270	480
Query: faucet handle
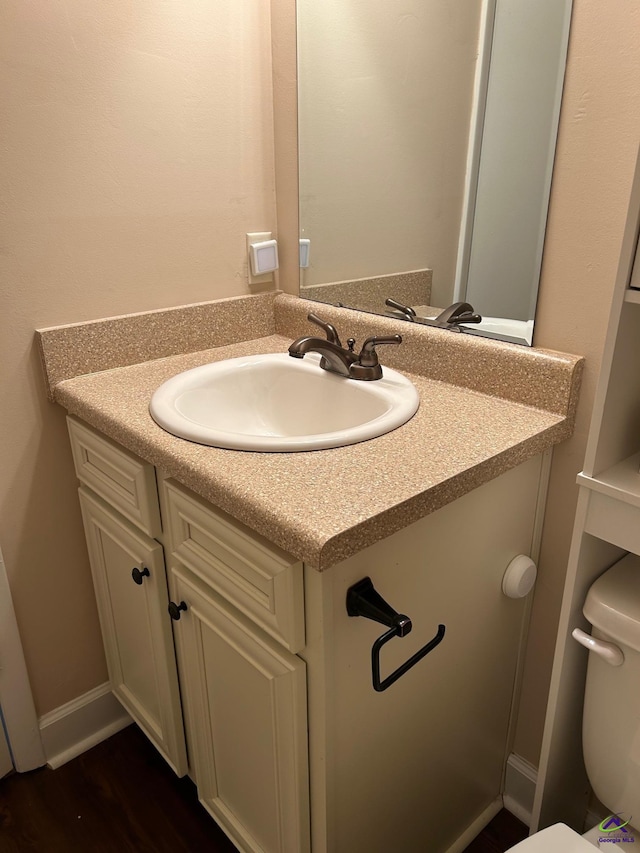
367	366
368	356
328	328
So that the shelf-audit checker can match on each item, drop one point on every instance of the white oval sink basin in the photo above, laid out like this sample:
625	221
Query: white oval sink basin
276	403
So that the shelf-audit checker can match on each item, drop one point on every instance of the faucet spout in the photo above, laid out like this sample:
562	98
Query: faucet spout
338	359
341	360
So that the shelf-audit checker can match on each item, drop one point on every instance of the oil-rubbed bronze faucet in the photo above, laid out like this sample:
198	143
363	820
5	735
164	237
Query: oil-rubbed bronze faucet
452	318
339	359
457	314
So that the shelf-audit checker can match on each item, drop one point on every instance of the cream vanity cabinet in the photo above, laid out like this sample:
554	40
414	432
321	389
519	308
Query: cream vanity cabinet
290	746
238	615
120	512
240	607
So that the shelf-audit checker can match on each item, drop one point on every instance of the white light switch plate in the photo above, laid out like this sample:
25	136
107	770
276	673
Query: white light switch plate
257	237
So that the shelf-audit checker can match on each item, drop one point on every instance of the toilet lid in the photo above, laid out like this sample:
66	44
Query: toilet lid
555	839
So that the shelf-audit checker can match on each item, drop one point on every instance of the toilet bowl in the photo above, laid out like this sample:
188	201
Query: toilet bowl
611	715
554	839
560	838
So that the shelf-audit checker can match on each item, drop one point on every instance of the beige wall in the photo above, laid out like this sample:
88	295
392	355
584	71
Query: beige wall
137	151
597	147
385	107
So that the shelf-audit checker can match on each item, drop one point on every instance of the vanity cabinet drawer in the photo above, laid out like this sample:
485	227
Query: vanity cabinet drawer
256	577
125	482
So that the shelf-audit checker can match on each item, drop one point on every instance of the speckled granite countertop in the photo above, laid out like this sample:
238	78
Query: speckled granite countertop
323	506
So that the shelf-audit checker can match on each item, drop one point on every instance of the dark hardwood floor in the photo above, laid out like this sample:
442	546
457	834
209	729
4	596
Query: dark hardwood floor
118	796
121	796
503	832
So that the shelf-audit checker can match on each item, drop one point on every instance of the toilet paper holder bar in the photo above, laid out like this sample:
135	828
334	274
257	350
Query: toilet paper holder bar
364	600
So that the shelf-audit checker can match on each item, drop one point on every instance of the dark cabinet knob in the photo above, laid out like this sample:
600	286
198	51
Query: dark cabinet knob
138	576
174	609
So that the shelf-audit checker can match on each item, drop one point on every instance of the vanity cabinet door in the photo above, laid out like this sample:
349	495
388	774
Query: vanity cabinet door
245	697
135	625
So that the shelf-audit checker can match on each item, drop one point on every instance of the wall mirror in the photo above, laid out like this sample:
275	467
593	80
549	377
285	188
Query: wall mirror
427	131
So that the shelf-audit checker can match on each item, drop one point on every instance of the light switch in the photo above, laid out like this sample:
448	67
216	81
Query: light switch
264	257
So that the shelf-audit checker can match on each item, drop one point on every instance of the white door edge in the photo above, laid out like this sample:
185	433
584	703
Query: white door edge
6	764
16	700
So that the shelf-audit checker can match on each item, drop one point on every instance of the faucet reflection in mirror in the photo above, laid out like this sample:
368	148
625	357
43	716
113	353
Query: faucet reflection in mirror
426	150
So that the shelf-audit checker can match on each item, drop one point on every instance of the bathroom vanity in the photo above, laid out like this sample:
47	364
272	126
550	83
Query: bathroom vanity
222	577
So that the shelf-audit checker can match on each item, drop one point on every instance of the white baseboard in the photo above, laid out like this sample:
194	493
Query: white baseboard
82	723
520	787
476	827
519	791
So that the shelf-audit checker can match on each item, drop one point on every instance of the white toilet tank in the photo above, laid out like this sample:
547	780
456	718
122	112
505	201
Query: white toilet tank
611	721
